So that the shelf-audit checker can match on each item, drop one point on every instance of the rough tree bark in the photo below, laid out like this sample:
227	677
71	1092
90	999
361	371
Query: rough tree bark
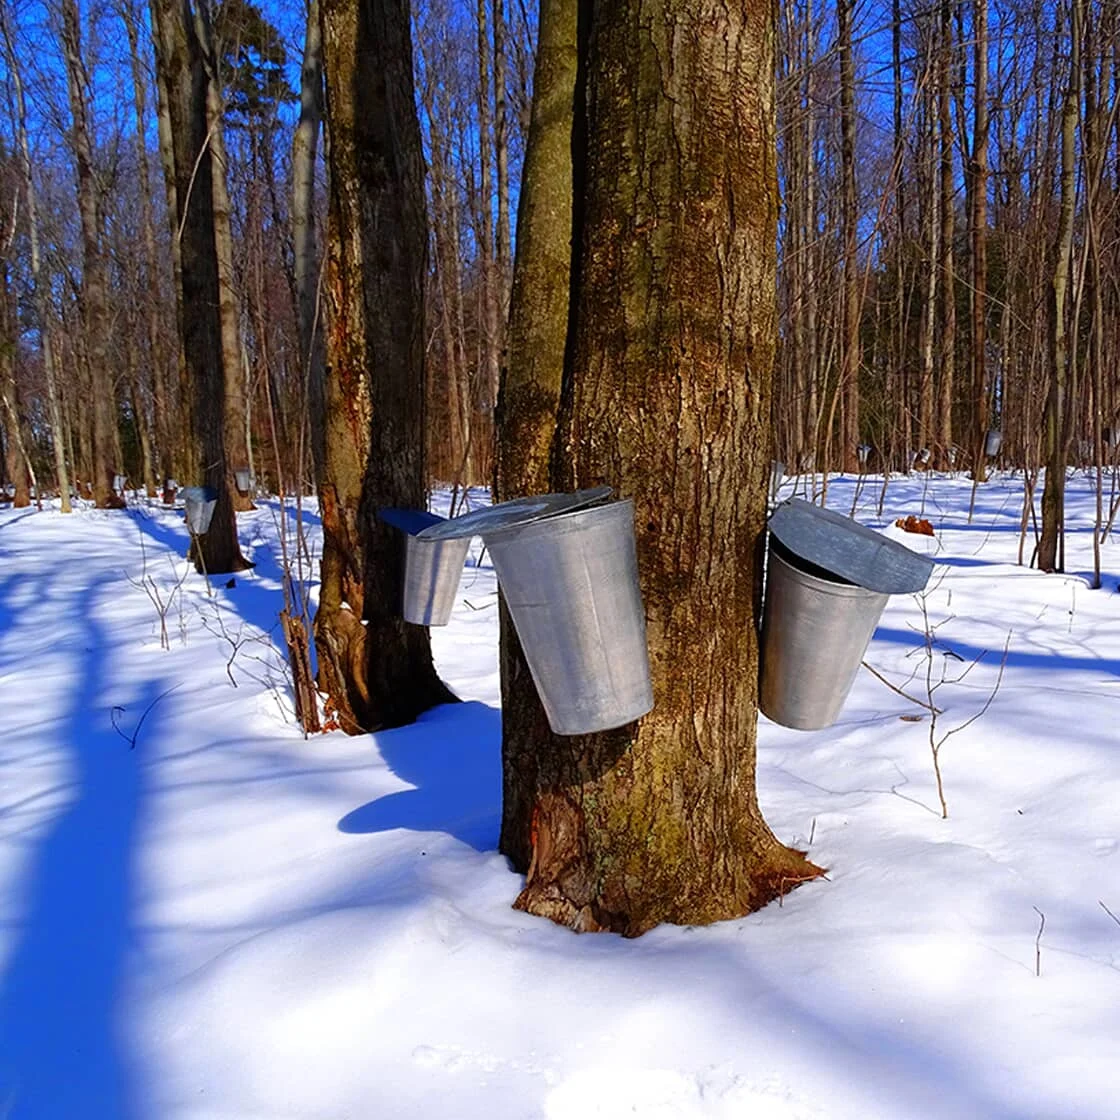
376	669
235	411
666	397
182	75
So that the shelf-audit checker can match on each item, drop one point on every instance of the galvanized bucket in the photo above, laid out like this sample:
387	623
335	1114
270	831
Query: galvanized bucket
571	583
993	441
815	631
828	579
432	568
199	503
243	478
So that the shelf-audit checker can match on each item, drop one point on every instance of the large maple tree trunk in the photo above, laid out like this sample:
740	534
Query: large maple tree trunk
376	669
666	397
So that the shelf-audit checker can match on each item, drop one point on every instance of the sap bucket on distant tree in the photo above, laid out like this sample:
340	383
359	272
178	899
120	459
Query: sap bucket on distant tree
432	569
569	572
993	441
243	478
199	503
828	580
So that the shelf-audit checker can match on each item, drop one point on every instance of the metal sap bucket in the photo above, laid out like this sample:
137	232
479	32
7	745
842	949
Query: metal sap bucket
828	580
993	441
119	481
199	503
570	581
432	569
863	453
243	478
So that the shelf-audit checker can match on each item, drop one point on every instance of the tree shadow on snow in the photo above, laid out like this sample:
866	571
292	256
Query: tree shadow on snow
452	756
62	1051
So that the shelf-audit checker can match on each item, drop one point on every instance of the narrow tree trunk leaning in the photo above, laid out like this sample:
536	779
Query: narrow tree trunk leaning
666	397
305	146
531	379
182	75
376	669
95	278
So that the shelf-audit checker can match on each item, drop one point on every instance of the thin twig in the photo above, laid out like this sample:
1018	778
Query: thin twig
904	695
131	739
1038	941
1109	912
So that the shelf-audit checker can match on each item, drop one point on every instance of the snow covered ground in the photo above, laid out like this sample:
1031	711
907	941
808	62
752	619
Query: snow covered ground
205	917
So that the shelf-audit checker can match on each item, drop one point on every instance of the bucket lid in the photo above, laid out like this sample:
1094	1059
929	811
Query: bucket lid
519	511
410	521
850	550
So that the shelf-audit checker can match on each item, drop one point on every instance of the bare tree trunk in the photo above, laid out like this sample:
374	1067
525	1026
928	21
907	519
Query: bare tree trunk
376	669
39	282
978	238
666	397
501	159
948	333
1053	491
850	354
182	75
490	314
157	353
236	398
306	257
95	280
531	379
16	460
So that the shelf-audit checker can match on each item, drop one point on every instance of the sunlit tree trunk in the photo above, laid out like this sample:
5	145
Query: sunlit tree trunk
666	397
182	74
531	379
376	669
306	257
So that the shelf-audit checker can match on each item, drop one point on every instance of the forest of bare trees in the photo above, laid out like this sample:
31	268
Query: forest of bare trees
947	239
